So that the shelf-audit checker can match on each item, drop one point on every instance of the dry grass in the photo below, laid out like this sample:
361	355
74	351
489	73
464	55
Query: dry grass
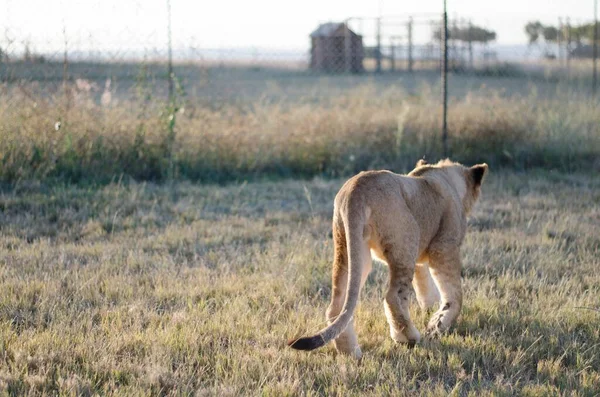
182	289
360	128
136	288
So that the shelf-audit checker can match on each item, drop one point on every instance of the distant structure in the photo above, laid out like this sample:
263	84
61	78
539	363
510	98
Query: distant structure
584	51
336	49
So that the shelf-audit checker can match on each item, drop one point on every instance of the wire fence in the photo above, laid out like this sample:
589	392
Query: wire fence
386	44
77	55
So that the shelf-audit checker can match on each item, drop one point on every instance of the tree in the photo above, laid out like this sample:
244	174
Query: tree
470	34
478	35
583	33
551	34
533	30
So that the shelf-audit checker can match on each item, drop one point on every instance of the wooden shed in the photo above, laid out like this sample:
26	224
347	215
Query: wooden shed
336	49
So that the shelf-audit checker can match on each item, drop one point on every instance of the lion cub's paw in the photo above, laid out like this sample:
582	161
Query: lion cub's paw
409	335
438	325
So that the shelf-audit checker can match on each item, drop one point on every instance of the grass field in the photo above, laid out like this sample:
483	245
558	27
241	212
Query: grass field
235	124
193	289
120	274
241	83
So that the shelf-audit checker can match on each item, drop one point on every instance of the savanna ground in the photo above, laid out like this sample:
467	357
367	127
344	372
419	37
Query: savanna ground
186	288
152	248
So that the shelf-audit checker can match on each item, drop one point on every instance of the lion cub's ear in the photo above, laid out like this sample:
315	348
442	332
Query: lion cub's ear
478	172
421	162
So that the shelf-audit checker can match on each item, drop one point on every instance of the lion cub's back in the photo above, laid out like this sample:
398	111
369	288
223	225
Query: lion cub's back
378	188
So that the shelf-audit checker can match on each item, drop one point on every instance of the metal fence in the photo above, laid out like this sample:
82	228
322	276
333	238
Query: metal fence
113	58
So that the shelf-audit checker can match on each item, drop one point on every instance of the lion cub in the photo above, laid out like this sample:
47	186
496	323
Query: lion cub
416	224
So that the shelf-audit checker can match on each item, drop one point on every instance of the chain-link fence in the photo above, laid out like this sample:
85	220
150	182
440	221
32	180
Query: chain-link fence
109	57
135	66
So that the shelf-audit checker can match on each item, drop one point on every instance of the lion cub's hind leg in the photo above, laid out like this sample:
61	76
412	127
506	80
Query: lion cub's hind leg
401	269
425	289
445	269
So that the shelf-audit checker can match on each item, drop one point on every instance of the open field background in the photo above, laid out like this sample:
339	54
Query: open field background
233	124
119	274
181	288
214	83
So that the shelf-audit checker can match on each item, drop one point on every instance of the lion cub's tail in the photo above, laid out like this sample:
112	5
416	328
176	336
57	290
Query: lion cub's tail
354	232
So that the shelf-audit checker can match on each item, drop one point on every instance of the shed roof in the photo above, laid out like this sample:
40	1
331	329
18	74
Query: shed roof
326	29
329	29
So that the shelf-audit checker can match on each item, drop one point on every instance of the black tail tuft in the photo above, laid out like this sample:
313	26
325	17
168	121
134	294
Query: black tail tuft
308	343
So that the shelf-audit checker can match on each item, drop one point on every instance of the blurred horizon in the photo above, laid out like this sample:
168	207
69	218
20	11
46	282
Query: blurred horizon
266	24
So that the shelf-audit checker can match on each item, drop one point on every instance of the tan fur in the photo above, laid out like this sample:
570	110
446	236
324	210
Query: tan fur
416	224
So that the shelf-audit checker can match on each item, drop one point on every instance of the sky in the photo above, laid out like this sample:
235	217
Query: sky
276	24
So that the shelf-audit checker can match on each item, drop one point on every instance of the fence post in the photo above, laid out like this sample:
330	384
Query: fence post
471	62
170	54
392	55
568	52
65	77
410	44
559	40
445	81
65	58
454	46
595	72
378	49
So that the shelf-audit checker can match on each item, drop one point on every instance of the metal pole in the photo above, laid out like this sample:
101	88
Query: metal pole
170	59
568	52
66	88
471	63
559	40
392	55
410	44
378	54
595	72
445	81
65	57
